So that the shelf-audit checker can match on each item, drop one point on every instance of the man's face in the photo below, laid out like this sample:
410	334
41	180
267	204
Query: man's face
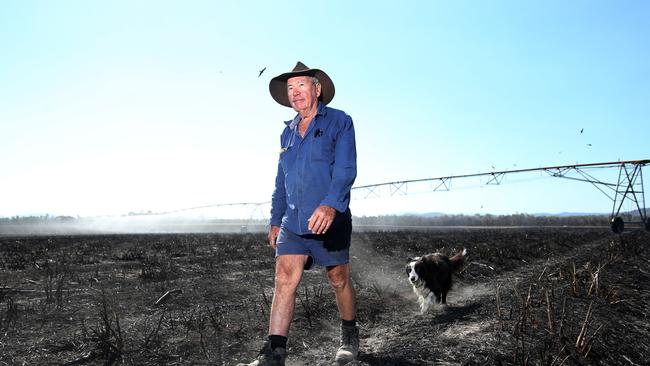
302	92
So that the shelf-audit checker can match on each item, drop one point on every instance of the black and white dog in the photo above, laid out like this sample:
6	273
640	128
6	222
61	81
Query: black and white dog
430	276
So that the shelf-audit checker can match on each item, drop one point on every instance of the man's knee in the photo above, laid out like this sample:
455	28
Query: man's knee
288	274
339	277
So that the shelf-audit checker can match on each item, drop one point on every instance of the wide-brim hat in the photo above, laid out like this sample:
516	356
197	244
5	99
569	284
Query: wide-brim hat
278	85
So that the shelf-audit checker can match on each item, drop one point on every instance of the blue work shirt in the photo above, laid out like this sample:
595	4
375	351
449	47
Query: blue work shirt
318	169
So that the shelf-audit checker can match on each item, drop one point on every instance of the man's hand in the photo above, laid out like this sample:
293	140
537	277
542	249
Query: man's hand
321	219
274	231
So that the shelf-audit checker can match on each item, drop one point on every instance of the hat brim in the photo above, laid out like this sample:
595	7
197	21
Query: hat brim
278	86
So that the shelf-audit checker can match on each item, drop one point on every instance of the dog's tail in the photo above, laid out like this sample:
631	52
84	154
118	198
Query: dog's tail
458	260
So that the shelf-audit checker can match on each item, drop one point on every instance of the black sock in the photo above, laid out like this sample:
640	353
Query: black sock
278	341
349	323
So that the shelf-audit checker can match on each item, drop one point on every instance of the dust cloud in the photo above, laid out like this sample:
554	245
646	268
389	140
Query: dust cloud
385	274
129	225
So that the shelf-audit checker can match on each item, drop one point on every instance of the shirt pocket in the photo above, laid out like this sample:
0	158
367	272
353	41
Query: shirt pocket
322	149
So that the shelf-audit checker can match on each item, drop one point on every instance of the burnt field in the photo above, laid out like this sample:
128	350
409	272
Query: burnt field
527	296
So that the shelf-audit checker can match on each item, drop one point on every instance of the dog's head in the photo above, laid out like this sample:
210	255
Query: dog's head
414	270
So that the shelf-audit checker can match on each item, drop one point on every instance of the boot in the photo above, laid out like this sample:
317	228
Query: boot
349	345
268	357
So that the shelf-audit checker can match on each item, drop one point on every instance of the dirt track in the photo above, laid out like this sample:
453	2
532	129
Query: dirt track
528	296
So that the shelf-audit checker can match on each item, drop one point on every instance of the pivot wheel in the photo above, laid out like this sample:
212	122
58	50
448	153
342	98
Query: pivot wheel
618	225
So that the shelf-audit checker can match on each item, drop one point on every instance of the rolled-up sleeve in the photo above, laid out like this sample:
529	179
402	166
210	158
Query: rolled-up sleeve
344	170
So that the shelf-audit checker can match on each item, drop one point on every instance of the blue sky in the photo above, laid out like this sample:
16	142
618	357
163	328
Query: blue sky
113	107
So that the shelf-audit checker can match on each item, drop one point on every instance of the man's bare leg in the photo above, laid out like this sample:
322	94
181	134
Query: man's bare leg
339	278
288	273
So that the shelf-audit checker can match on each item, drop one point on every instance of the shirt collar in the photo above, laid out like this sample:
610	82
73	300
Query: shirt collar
292	123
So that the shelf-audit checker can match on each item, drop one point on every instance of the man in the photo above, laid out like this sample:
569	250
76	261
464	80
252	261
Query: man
311	221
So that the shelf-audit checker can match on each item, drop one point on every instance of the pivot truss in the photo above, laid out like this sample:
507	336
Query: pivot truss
628	188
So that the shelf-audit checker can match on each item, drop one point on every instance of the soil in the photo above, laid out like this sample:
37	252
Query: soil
527	296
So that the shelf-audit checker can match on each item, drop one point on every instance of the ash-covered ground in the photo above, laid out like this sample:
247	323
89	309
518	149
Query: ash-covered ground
527	296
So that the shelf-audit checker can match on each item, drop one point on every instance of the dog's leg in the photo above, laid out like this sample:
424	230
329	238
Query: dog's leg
421	299
426	303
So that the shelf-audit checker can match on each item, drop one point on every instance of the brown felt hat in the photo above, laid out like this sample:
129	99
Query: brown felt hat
278	85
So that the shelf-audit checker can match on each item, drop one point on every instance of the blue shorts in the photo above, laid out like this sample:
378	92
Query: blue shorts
329	249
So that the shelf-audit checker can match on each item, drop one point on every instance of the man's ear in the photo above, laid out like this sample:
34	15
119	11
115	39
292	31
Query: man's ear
318	90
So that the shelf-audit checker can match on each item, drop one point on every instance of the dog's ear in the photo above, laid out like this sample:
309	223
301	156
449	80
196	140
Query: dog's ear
409	260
